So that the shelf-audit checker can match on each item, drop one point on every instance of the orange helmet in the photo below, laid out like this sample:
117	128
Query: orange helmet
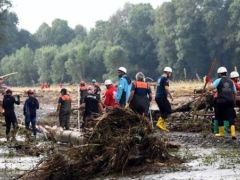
30	91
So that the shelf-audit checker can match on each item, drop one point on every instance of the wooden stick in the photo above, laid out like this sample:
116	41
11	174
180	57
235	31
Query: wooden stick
78	120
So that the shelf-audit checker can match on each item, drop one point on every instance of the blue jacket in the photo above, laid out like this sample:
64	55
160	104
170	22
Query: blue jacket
30	107
124	89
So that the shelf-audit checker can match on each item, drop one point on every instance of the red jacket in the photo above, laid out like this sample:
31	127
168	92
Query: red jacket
236	85
110	97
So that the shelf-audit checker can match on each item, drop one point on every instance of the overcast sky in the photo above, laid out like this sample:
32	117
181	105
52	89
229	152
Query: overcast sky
32	13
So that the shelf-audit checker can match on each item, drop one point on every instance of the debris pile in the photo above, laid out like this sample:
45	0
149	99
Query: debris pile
121	141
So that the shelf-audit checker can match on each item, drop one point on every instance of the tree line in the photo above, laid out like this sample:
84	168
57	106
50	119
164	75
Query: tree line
183	34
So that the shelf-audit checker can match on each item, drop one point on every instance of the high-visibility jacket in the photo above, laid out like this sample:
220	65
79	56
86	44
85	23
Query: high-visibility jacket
110	97
141	88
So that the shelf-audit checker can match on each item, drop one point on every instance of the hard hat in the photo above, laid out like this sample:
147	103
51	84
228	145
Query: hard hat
234	74
221	70
123	69
30	91
94	81
167	69
108	82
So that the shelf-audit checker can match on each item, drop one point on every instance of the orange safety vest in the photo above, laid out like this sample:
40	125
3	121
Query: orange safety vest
141	85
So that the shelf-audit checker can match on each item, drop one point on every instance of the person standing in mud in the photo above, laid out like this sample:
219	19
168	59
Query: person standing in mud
29	110
141	95
83	91
97	89
225	102
92	105
9	114
64	109
124	87
161	98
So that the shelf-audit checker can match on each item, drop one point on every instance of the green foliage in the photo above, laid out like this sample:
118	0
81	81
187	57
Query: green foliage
115	57
186	34
22	62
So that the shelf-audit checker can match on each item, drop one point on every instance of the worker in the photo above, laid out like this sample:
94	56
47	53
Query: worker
93	106
10	116
97	89
109	101
141	95
64	109
225	102
124	87
161	98
235	79
29	110
83	91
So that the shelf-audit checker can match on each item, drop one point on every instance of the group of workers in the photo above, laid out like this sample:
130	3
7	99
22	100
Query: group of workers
224	101
29	111
136	95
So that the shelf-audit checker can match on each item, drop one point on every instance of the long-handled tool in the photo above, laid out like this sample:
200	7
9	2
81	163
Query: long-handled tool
150	114
78	99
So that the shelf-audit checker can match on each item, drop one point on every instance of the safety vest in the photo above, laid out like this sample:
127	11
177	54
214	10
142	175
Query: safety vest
141	88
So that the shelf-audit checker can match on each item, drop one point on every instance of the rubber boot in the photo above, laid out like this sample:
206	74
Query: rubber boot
226	127
221	132
215	127
161	124
233	132
164	126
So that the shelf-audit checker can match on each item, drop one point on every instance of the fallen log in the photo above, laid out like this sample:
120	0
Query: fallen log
72	137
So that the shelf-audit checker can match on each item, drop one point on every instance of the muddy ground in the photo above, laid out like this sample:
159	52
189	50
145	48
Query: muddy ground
206	157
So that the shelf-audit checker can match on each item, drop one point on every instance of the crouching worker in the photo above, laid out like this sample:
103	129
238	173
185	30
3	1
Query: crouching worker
225	102
10	116
29	110
161	98
93	106
64	109
140	96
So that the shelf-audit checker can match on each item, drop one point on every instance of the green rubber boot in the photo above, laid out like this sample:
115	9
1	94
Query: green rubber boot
226	127
215	127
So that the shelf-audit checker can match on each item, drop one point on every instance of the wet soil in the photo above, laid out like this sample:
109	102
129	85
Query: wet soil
206	157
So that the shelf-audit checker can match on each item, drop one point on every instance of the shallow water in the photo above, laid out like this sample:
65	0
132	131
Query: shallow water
12	165
210	164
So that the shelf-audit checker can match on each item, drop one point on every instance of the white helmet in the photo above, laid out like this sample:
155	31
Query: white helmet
123	69
167	69
221	70
108	82
234	74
